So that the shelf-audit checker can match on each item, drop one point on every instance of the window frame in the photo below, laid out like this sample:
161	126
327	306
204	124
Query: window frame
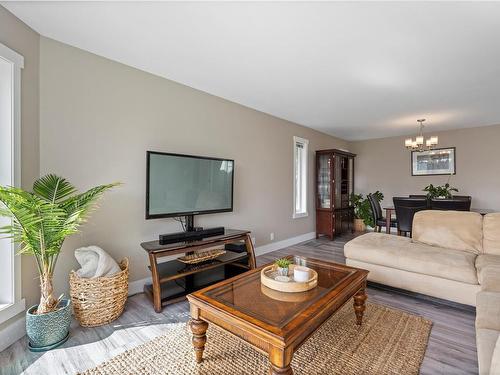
305	175
16	303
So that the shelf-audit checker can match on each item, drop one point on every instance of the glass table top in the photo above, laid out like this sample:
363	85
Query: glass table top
248	295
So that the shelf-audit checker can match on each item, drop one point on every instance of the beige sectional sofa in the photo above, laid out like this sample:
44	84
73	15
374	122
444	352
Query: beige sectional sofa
452	255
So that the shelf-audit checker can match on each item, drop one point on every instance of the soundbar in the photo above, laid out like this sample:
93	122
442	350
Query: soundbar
194	235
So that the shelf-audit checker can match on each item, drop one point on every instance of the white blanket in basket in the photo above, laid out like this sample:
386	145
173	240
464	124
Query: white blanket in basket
95	262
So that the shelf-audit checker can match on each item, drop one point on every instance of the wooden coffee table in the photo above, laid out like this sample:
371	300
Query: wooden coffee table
275	323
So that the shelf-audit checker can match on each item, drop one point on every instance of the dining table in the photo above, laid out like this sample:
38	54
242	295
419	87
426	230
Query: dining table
390	210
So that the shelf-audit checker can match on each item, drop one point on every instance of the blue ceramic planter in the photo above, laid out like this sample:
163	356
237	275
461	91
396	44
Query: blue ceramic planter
47	331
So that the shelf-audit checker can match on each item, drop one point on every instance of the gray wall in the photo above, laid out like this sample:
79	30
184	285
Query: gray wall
384	164
98	118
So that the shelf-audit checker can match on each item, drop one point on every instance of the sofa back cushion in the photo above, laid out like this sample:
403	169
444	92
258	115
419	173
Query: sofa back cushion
491	233
457	230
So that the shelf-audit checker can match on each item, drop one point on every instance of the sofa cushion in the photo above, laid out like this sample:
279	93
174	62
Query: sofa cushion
401	253
457	230
485	340
488	272
491	233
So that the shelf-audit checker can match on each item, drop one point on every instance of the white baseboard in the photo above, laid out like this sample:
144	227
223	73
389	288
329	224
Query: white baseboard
137	286
13	332
273	246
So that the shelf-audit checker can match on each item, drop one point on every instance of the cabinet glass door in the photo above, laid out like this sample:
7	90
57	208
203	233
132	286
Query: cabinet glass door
338	181
351	176
323	183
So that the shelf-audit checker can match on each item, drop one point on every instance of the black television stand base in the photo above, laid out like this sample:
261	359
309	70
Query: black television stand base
192	235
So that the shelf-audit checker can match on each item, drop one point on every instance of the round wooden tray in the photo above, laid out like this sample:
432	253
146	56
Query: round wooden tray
296	297
268	274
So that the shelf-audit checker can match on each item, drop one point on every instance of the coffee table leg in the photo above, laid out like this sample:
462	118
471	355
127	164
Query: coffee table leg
280	361
359	305
280	370
199	330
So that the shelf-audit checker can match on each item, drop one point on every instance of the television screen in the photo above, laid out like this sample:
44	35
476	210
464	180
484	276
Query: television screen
180	185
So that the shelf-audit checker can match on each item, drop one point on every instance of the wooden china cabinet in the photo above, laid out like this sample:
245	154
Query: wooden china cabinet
334	186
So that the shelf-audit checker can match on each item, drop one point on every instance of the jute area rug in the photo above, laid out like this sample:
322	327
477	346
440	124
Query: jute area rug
389	342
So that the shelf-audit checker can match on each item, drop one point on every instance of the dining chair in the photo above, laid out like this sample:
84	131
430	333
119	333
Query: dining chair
452	204
378	218
405	210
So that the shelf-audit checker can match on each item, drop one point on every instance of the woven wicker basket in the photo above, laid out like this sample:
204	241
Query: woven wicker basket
100	300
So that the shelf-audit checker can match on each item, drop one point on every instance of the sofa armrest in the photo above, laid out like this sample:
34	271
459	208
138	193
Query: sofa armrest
489	278
488	310
495	360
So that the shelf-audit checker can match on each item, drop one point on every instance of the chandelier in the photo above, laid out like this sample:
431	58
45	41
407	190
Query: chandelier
418	144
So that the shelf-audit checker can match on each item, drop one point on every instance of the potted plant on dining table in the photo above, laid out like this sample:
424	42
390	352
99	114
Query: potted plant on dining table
40	222
440	192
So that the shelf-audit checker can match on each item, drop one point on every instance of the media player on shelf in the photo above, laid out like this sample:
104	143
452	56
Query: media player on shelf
166	239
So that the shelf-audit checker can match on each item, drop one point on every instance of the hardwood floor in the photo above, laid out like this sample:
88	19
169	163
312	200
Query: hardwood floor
451	350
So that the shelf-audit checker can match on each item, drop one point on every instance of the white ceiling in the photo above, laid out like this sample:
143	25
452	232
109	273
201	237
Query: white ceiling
355	70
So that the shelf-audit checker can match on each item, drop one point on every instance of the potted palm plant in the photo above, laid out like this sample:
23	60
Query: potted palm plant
40	222
362	210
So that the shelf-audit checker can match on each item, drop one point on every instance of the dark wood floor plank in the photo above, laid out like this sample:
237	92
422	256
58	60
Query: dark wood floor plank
451	349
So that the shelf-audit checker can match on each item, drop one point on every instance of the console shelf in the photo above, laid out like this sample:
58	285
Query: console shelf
174	269
173	280
176	285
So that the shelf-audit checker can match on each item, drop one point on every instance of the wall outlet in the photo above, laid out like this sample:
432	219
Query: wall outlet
271	236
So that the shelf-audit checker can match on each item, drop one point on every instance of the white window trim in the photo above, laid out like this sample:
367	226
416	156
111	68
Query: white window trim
18	305
305	142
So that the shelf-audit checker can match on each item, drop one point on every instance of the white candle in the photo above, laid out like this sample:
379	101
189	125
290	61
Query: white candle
300	274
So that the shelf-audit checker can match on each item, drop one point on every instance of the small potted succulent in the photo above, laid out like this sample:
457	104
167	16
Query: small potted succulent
283	266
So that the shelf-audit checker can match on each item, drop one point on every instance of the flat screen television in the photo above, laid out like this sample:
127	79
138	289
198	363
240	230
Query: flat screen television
186	185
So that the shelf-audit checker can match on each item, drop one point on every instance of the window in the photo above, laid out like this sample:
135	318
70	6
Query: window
11	64
300	153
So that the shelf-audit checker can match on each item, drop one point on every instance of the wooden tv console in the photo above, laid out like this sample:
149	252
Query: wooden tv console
173	280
